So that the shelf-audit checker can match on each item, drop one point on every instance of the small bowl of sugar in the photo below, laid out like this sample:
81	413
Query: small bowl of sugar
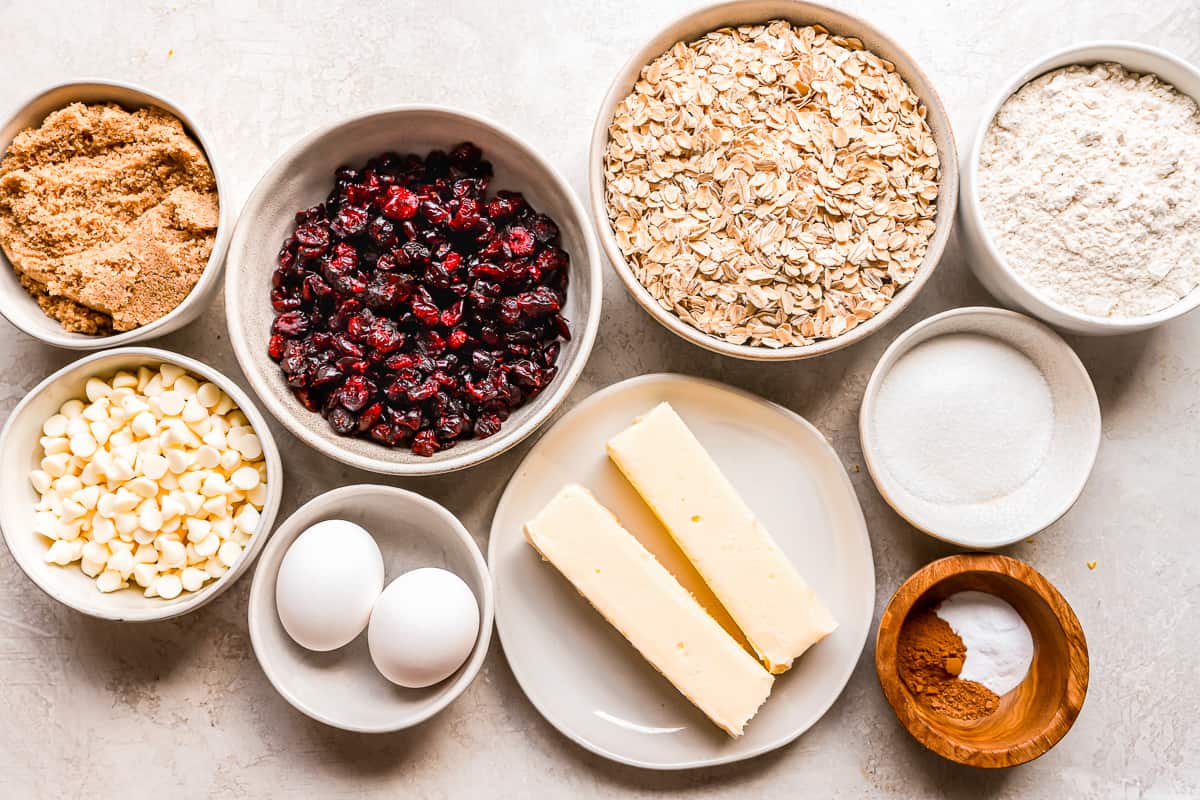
980	426
983	660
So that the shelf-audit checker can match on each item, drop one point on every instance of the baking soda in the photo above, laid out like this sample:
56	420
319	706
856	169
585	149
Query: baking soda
999	645
963	419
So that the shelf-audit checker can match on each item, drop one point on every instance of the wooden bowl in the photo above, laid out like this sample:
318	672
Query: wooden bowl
1030	719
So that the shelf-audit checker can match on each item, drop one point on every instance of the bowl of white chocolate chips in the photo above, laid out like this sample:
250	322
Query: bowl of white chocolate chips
140	484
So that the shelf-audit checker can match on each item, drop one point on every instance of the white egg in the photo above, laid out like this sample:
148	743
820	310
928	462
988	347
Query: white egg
423	627
328	581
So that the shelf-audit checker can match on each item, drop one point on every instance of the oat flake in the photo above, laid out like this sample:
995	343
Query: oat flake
772	185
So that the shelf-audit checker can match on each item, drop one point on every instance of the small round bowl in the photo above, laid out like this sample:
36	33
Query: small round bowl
1057	484
343	688
19	454
303	176
741	12
16	304
989	266
1031	718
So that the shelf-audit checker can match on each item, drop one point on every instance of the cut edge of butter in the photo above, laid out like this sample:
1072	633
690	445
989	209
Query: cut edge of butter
587	544
778	612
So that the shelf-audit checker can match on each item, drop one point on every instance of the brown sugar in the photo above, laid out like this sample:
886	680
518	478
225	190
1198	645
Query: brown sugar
108	216
930	656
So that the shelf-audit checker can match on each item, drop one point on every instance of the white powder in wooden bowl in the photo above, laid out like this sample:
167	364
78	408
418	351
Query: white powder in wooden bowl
1089	181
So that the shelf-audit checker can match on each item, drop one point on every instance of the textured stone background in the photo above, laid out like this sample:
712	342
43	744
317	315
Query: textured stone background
181	708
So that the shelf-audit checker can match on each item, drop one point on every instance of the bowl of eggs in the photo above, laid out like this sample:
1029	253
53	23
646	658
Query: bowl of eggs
384	561
141	484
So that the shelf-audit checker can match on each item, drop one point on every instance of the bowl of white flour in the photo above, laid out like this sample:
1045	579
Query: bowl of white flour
1081	189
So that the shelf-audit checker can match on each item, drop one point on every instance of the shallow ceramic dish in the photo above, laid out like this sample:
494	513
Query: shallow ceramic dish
303	177
1052	490
20	452
988	264
694	25
342	688
16	304
1031	718
580	673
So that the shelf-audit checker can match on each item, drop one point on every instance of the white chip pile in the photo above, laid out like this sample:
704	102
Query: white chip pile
157	478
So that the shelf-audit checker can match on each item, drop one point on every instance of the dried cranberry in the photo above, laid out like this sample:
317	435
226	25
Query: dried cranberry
412	309
400	203
350	221
355	393
519	241
292	324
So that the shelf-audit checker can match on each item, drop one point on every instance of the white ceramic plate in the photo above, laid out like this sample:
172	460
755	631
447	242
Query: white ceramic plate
580	673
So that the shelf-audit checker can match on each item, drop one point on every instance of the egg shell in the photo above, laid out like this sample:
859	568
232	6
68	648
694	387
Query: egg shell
328	581
423	627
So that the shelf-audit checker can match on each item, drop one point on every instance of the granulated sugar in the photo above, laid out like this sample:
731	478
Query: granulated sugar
963	419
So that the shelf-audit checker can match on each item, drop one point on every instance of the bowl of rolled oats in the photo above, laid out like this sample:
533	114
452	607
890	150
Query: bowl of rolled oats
773	180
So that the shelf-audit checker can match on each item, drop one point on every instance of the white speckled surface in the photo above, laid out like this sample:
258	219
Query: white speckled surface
181	708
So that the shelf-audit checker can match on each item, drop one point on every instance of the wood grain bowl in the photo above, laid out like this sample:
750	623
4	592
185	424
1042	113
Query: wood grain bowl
1033	717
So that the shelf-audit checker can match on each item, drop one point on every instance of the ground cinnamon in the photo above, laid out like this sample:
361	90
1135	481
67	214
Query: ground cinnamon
930	656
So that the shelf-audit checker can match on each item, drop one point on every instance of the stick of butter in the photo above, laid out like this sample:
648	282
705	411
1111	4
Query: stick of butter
776	609
636	594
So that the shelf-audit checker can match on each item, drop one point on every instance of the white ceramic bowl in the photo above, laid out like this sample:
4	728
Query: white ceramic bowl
303	176
1052	489
985	259
739	12
19	308
343	688
20	453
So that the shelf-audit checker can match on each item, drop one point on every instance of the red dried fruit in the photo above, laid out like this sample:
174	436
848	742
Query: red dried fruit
412	309
400	203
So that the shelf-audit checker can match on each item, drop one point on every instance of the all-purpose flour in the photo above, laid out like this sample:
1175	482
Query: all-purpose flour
1089	180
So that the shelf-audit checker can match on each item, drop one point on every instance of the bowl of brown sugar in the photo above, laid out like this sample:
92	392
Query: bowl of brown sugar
982	659
111	227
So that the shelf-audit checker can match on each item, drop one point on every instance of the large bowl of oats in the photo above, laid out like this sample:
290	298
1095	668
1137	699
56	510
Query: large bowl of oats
773	180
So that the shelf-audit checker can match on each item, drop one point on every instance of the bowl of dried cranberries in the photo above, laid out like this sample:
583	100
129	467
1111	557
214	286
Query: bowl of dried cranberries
412	291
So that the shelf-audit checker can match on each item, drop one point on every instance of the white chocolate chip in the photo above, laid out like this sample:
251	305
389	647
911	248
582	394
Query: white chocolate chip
186	386
55	427
229	553
168	586
110	581
192	578
209	546
170	373
156	478
247	520
121	563
144	574
72	409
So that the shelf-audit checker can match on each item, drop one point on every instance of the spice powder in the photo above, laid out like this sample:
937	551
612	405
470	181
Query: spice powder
930	657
